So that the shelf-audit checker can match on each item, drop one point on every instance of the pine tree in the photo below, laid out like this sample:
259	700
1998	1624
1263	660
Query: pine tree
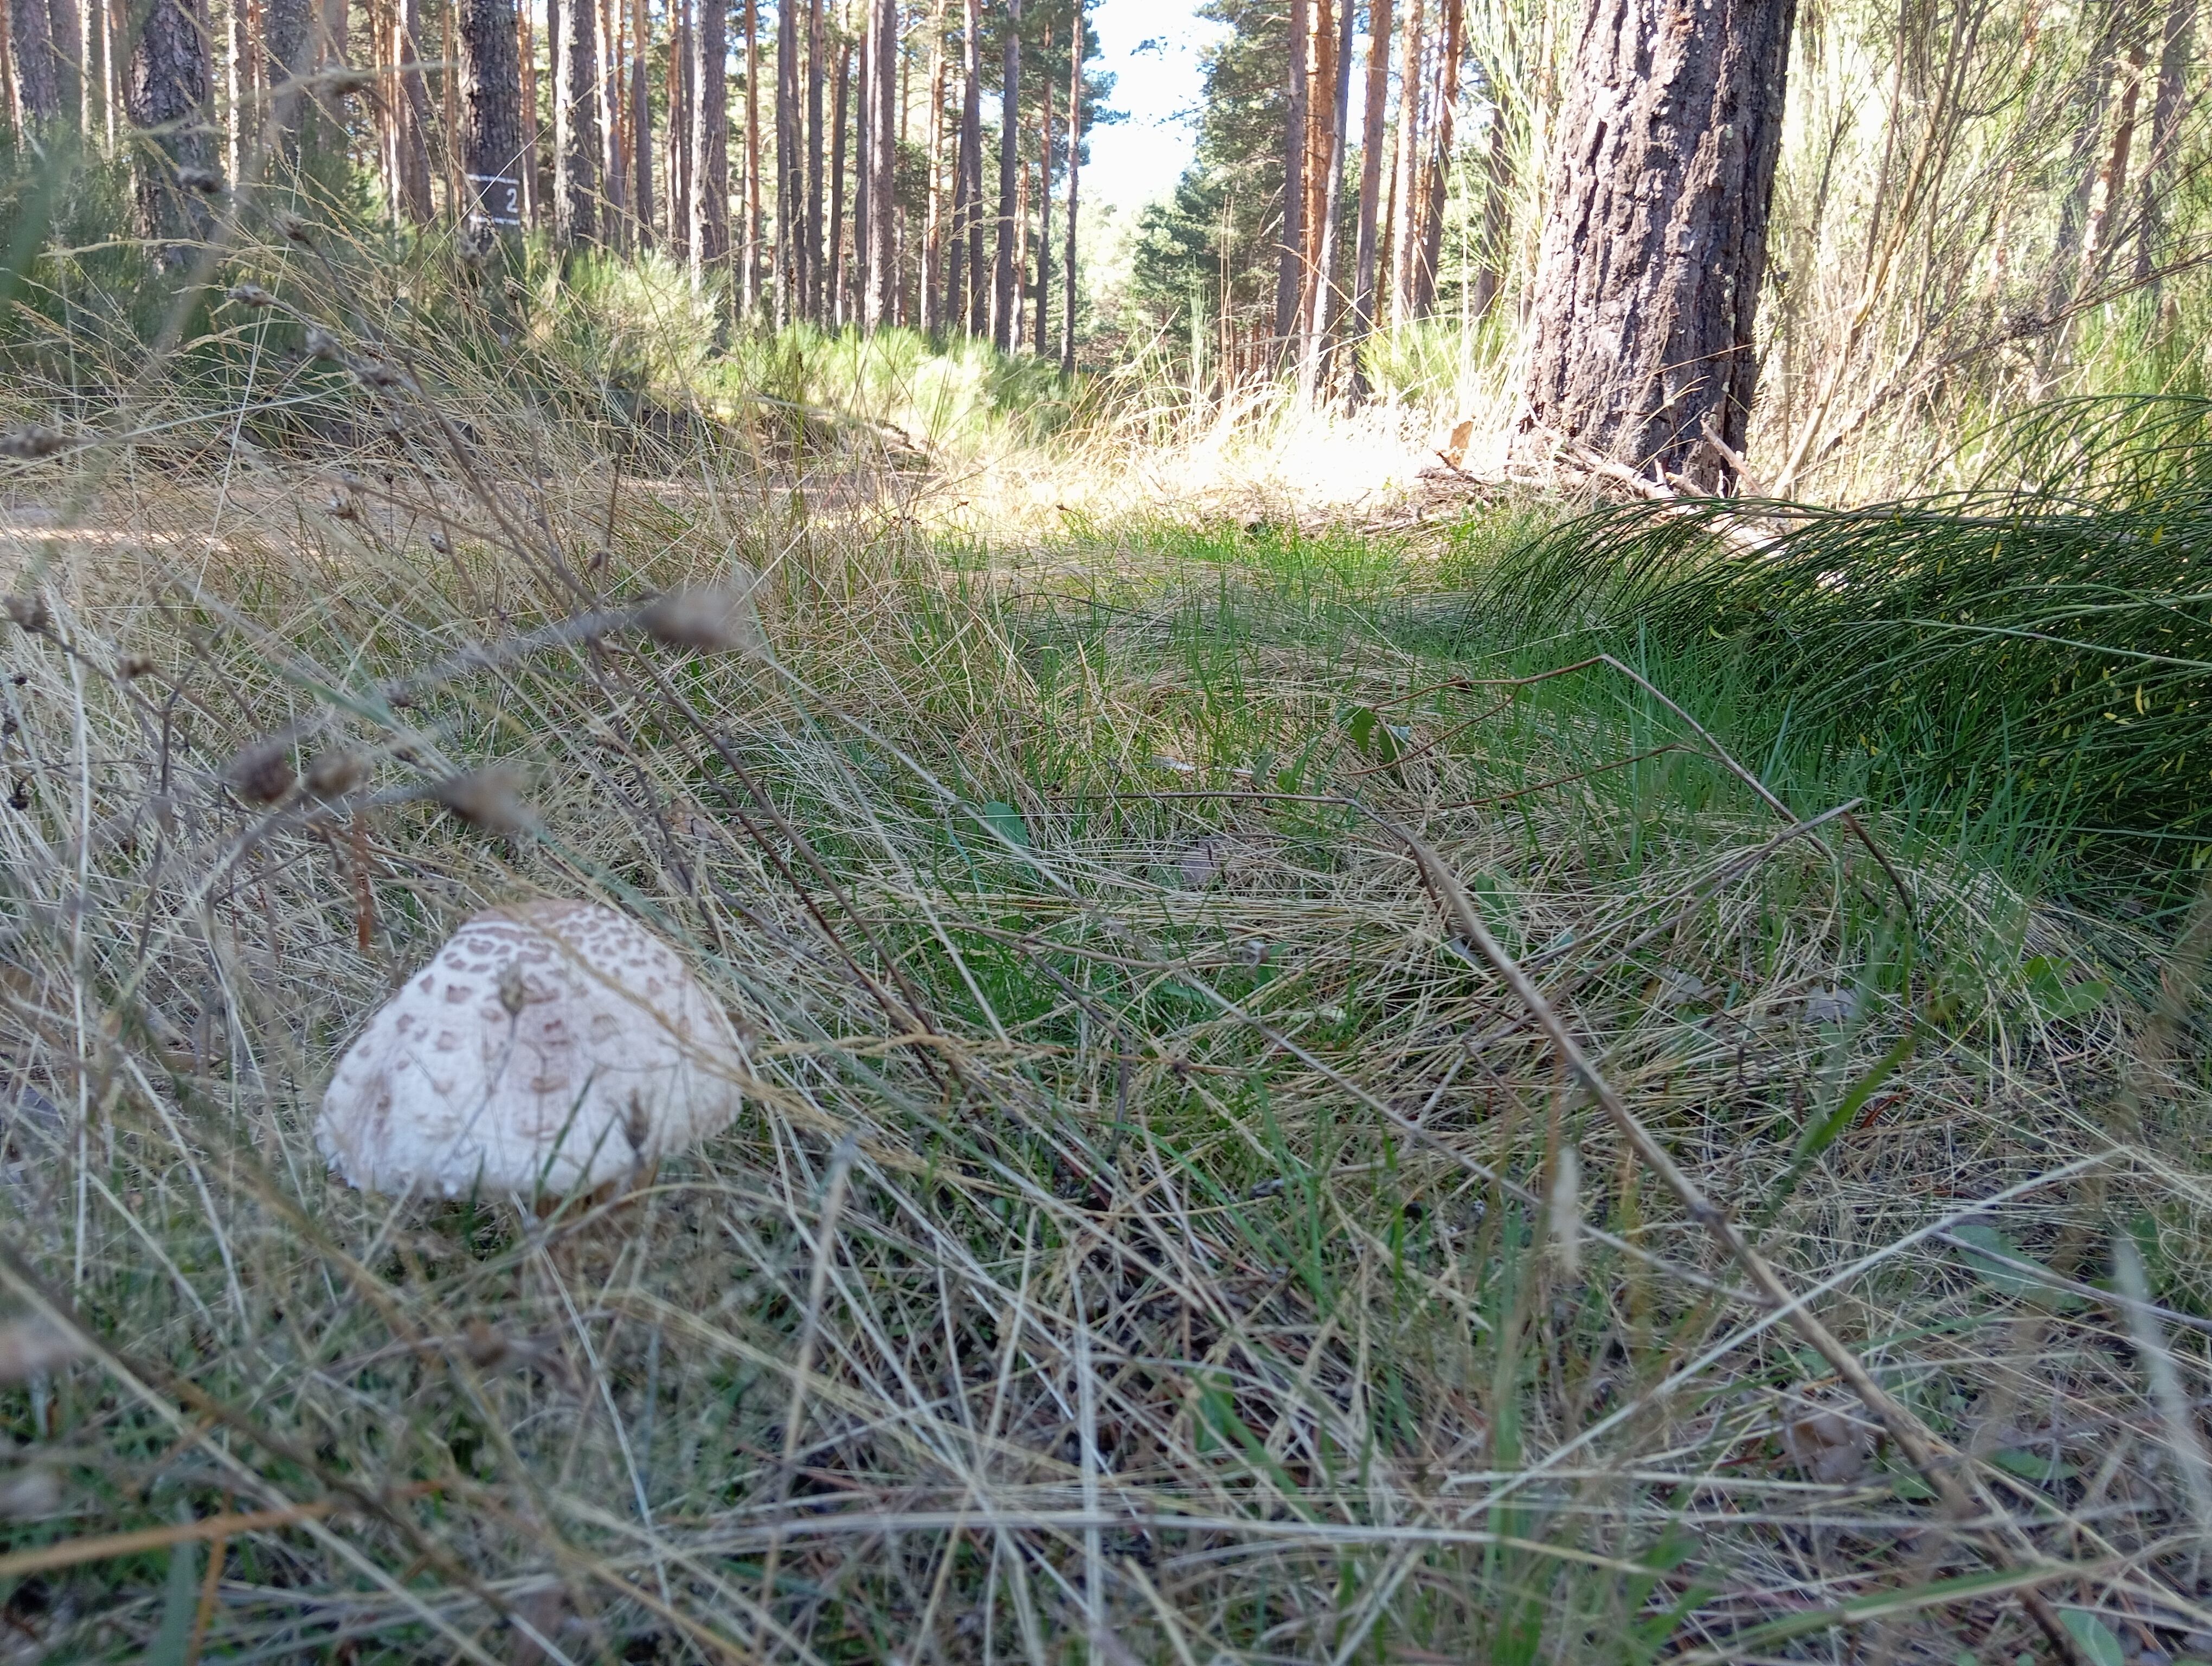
575	122
710	233
164	92
1004	306
491	118
1654	241
1365	252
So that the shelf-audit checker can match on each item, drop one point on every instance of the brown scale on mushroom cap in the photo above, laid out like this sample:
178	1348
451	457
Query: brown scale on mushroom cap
552	1046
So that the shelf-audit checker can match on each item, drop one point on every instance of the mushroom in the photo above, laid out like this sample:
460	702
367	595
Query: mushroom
550	1047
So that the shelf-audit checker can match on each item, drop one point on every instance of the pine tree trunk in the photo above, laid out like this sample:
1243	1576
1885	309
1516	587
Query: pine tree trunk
882	251
287	40
38	66
790	169
1005	325
708	172
491	120
65	30
1321	108
1045	136
816	76
1364	262
1332	211
614	173
968	214
1654	241
525	49
1496	188
676	161
2097	244
1289	274
2164	125
1076	48
837	302
1406	232
166	95
414	117
640	120
932	298
575	123
1440	158
751	296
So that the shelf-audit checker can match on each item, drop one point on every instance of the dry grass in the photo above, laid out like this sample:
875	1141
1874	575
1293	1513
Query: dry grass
1154	1234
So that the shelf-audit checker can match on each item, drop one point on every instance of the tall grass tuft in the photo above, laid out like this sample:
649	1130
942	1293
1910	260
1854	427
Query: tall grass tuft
2040	640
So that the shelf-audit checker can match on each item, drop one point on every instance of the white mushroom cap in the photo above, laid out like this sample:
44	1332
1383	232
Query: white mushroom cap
550	1047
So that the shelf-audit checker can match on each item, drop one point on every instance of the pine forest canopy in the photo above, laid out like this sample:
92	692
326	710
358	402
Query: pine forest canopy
1602	211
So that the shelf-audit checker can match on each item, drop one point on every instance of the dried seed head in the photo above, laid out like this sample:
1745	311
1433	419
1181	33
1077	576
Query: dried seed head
341	507
373	372
293	228
205	180
30	613
249	294
322	344
133	667
336	773
260	772
339	83
707	620
490	798
26	445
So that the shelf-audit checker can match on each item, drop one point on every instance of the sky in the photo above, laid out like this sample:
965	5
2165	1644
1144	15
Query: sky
1153	47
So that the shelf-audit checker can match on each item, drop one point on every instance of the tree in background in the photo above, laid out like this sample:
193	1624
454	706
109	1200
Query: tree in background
575	121
166	90
1005	318
38	61
491	118
1654	241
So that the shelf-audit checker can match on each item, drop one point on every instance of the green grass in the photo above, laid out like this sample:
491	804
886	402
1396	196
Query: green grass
1173	1214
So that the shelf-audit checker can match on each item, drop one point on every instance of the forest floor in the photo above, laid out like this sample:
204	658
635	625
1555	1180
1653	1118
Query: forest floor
1161	1227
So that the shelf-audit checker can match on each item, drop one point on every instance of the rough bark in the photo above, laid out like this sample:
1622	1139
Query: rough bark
931	299
491	113
883	262
838	300
708	181
1321	106
575	123
1076	49
1496	191
1364	254
1044	212
413	118
288	43
641	108
1289	271
1004	311
1654	241
1332	211
751	297
38	66
815	77
614	177
968	210
675	163
790	168
1406	232
1440	158
165	96
65	33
